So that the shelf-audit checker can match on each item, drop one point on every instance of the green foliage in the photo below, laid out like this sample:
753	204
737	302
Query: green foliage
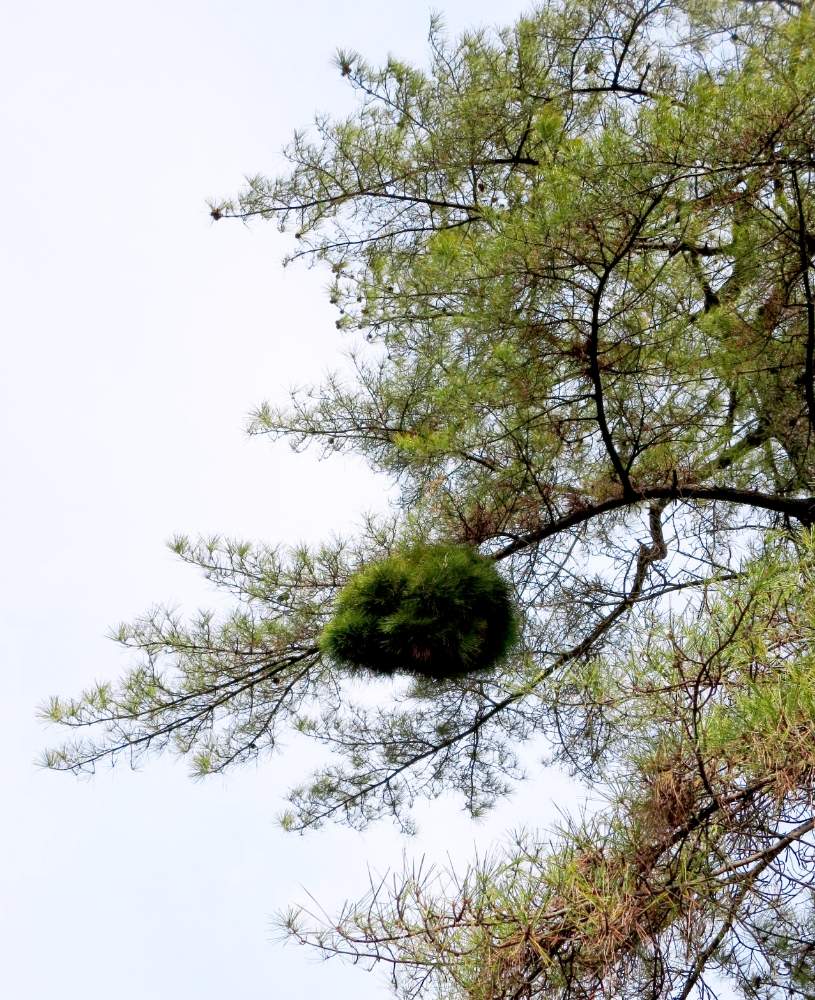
436	611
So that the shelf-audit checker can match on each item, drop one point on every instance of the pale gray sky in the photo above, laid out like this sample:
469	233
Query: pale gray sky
136	336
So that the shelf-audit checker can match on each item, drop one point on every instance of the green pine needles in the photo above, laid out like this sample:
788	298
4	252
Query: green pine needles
435	611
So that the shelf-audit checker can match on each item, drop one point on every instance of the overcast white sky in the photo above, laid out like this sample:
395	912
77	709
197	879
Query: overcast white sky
136	336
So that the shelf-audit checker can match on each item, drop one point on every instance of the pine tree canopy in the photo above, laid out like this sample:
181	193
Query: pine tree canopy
574	260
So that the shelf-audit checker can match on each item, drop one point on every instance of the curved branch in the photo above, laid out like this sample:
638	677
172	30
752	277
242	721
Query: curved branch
802	509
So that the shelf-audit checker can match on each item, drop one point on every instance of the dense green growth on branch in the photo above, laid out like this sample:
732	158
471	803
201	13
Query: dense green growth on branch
435	611
575	261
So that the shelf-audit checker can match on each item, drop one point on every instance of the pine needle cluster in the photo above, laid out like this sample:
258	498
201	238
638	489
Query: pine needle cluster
436	611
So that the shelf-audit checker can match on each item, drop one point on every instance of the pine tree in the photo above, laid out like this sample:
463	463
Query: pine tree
576	260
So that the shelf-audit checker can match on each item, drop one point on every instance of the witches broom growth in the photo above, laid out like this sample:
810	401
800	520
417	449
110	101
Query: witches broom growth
436	611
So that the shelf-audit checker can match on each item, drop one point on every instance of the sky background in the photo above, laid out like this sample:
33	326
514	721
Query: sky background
136	337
